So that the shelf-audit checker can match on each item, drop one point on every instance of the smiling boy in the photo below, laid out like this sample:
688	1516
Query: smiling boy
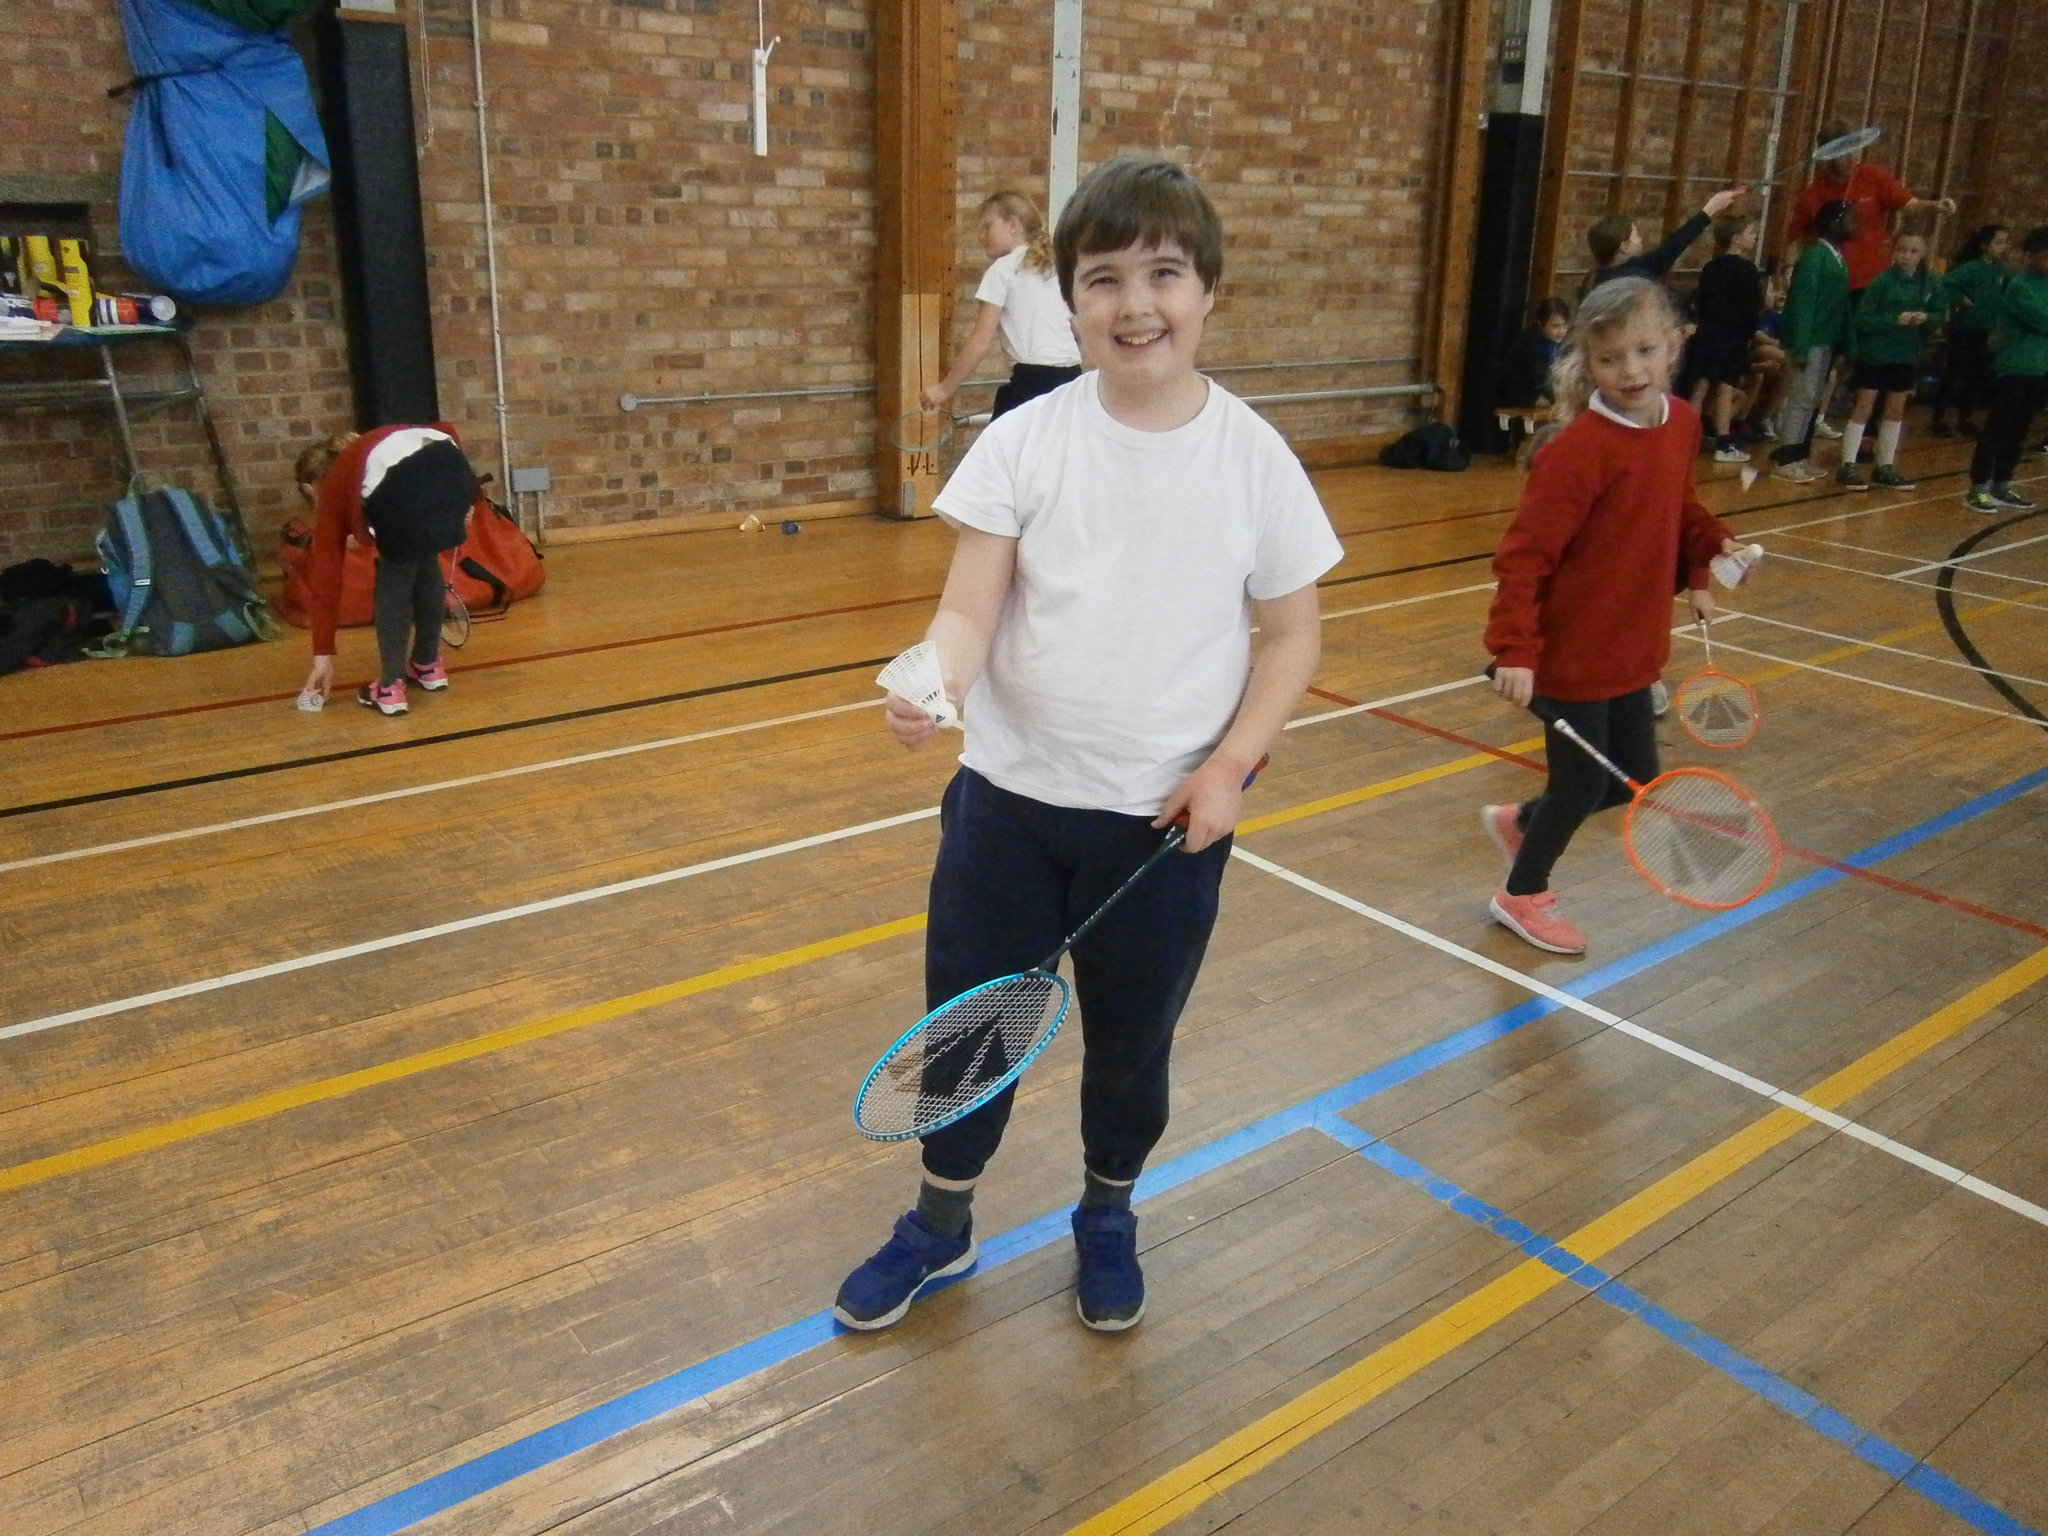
1117	537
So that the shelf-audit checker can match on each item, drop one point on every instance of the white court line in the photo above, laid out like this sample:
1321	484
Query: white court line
216	828
1756	1085
464	782
556	903
1989	552
1868	645
1904	581
460	925
1871	682
1874	509
1935	565
1386	703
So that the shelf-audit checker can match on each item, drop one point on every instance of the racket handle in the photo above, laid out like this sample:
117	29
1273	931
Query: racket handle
1563	727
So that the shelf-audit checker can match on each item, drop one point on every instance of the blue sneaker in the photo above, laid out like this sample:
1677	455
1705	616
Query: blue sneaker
881	1290
1109	1292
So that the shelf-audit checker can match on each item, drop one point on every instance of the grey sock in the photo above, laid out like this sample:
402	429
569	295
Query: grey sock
945	1211
1095	1191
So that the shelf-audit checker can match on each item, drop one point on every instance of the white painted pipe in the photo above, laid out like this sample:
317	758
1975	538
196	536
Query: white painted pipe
483	155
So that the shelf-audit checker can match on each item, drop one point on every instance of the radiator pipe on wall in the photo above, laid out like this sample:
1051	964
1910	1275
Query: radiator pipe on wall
483	155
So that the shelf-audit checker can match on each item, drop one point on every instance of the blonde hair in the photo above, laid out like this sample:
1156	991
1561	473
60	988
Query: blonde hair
1010	204
317	458
1607	308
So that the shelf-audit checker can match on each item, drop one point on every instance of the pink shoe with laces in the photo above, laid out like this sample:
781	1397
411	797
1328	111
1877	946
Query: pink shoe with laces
1537	919
433	676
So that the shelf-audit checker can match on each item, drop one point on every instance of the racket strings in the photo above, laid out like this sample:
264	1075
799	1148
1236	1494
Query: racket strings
1716	709
1698	837
949	1063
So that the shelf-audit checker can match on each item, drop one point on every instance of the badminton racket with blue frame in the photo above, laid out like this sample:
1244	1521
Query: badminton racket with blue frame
965	1052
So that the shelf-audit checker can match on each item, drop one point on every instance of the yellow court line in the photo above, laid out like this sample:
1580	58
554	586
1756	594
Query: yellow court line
1261	1443
151	1137
98	1153
1384	787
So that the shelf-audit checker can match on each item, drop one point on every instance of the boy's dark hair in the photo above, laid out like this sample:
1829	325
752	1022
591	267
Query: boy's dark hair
1606	238
2036	241
1980	239
1548	310
1727	227
1138	200
1831	220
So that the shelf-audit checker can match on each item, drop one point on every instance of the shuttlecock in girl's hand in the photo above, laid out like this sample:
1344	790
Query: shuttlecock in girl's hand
915	677
1735	570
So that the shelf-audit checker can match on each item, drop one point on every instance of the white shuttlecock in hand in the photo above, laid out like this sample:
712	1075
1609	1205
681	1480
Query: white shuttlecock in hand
915	676
1734	570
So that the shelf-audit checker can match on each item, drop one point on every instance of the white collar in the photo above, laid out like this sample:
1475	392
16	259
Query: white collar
1663	412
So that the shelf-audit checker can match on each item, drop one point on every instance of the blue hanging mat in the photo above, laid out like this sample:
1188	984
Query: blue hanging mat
223	146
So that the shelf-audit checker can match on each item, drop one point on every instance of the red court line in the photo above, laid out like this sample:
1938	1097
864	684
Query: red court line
1854	872
483	666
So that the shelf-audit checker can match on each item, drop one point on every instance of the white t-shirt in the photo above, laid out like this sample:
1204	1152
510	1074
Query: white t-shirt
1036	325
1123	649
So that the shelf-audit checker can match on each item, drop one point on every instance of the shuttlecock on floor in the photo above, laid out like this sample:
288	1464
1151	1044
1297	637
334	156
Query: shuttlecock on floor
750	524
1748	474
915	677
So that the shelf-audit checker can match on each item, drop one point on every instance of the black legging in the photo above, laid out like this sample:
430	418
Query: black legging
1966	374
409	605
2014	400
1625	729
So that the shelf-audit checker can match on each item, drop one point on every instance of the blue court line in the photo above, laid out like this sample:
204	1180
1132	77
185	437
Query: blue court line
395	1512
1896	1463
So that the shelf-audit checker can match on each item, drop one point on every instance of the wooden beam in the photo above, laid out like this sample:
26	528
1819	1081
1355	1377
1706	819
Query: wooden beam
1959	80
1625	125
1464	153
1824	99
1905	160
916	147
1878	23
1815	52
1984	148
1676	194
1557	145
1736	167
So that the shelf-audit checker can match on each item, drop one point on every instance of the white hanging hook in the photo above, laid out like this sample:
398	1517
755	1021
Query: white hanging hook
764	46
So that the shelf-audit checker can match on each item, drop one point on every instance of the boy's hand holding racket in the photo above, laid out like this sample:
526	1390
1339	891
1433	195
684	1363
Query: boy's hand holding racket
1515	684
1210	799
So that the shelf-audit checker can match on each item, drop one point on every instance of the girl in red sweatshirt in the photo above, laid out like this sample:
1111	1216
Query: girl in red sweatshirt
1581	620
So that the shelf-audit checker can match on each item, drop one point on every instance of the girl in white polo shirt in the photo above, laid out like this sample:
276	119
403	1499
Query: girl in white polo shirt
1019	296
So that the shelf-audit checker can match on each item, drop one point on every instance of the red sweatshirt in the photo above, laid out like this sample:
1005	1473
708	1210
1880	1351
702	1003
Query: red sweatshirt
338	517
1587	569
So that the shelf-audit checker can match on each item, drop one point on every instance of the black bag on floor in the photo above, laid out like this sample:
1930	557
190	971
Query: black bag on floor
1435	446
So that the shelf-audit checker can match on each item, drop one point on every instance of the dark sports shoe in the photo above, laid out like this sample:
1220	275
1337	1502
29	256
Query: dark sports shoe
1887	478
1849	478
1980	501
2012	501
1109	1291
881	1290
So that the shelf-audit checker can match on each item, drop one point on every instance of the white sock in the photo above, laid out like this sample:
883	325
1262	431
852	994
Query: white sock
1852	442
1888	442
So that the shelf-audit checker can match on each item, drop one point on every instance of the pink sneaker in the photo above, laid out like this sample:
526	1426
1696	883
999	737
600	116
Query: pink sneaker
1537	919
1503	824
385	698
433	676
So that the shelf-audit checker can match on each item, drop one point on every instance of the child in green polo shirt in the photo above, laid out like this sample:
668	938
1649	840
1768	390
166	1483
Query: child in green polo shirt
1897	307
1973	288
1816	328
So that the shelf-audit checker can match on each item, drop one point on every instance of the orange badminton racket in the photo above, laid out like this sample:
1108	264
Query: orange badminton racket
1716	709
1695	835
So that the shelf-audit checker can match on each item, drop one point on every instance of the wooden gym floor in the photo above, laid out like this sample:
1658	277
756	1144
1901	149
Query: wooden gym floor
443	1123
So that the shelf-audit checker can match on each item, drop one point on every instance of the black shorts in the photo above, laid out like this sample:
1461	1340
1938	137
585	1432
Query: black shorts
1720	357
1892	378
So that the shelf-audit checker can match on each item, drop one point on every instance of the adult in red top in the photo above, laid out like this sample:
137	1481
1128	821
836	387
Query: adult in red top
1876	194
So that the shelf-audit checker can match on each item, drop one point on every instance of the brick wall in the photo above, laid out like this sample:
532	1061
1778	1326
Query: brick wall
2014	183
642	248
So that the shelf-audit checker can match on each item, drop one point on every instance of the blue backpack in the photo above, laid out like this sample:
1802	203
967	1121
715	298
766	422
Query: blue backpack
176	581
